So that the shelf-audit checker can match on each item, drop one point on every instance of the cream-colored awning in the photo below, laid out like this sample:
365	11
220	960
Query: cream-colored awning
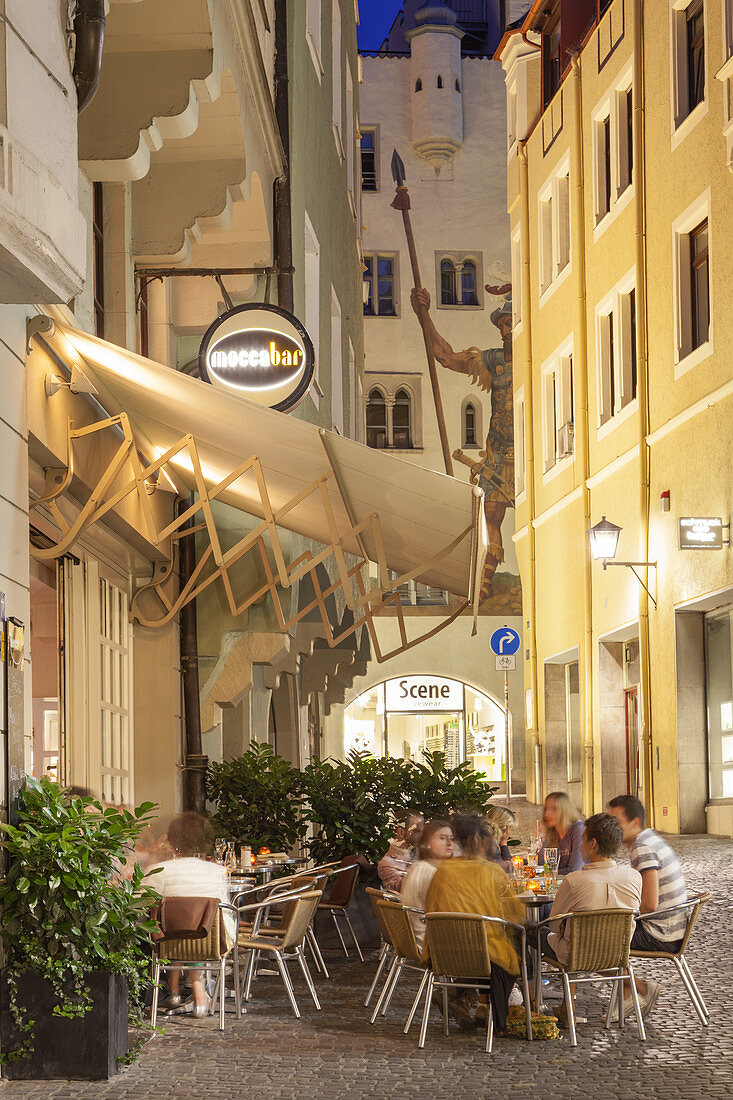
419	523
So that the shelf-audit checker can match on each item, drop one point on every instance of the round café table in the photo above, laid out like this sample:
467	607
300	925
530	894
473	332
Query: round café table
533	903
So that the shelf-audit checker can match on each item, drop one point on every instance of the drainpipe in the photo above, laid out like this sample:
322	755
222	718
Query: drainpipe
89	20
530	466
645	717
196	761
283	228
582	451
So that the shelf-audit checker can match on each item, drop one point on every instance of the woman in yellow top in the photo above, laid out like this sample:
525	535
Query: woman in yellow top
472	884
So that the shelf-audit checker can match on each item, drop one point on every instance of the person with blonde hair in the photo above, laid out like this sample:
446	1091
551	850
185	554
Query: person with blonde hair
503	819
564	830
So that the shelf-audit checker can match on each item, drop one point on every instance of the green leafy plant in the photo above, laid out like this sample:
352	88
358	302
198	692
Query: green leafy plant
65	913
258	799
436	788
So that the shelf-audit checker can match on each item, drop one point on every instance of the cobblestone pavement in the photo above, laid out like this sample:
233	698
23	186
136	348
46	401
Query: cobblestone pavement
335	1053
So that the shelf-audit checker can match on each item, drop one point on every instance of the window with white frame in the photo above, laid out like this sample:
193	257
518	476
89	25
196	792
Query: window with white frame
459	279
312	273
336	75
692	259
114	694
554	227
520	454
380	292
471	424
688	58
616	350
313	32
369	158
376	420
516	246
402	420
558	405
350	137
613	146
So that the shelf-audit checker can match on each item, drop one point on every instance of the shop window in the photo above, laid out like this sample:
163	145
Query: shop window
719	691
380	292
376	420
369	176
114	650
402	421
470	438
98	263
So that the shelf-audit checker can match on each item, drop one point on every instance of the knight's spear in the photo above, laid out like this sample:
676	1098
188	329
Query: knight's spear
401	202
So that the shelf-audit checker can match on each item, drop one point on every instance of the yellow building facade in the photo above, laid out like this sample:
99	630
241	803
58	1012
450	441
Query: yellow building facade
620	195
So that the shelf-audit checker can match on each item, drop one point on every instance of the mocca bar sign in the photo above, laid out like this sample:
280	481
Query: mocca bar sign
261	352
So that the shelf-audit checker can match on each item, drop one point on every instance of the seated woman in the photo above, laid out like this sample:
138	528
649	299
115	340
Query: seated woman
187	876
564	829
401	854
436	844
472	884
503	819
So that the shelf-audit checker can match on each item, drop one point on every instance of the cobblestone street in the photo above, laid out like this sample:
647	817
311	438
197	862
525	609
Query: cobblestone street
335	1052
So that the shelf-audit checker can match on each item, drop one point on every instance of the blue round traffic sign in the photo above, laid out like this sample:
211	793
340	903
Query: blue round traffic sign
505	642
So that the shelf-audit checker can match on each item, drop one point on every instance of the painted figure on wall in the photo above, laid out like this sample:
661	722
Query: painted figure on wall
491	370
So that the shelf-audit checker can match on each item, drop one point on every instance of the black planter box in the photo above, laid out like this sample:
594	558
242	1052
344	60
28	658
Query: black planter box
84	1048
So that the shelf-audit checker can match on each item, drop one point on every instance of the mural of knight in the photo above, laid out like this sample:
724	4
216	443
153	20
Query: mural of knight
491	370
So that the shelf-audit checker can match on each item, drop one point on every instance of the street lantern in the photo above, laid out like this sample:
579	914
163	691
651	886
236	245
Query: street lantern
604	540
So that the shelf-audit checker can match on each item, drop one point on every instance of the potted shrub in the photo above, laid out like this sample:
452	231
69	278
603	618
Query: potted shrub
258	800
74	935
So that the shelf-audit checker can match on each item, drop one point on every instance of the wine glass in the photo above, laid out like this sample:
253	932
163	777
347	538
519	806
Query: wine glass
551	859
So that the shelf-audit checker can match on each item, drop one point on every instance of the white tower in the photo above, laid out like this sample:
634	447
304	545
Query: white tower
437	86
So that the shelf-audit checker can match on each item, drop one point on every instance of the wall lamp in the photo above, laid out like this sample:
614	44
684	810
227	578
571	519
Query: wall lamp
78	383
604	543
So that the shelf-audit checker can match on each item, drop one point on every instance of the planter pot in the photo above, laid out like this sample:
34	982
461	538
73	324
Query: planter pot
85	1048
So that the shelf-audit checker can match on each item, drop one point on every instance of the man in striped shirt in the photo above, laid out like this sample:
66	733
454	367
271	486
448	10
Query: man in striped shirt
662	886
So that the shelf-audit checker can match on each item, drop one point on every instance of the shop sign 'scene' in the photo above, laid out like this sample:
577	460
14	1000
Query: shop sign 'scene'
410	693
261	352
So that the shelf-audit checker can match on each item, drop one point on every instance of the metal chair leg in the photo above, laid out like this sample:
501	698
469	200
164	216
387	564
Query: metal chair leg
338	929
385	988
621	1003
490	1028
571	1009
446	1009
308	978
380	967
416	1002
635	1000
347	918
251	963
222	992
693	992
525	995
612	1002
426	1011
315	948
156	992
237	987
287	983
390	992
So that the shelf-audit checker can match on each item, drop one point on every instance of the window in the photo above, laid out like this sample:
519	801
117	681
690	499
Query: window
114	681
719	697
617	352
369	177
376	420
313	32
458	85
558	407
402	421
573	724
688	59
313	299
439	82
551	59
350	138
613	143
516	247
379	275
459	280
418	85
336	75
554	228
98	242
693	285
337	366
520	454
470	425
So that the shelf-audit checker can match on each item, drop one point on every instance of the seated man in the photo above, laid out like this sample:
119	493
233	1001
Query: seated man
402	851
600	884
663	885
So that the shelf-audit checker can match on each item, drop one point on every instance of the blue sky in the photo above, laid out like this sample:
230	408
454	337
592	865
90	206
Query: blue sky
375	19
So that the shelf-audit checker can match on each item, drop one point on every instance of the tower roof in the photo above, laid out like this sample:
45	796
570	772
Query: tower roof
480	20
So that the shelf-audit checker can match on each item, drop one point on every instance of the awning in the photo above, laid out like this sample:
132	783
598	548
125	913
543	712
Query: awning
419	523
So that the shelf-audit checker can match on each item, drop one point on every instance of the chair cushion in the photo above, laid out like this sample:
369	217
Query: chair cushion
185	918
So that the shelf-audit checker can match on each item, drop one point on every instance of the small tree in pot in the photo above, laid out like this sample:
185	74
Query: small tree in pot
258	799
74	935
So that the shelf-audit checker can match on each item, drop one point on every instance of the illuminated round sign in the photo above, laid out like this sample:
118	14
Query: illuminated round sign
261	352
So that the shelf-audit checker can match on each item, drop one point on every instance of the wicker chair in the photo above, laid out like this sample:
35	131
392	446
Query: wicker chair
394	918
693	904
387	952
600	942
212	951
461	959
282	943
339	900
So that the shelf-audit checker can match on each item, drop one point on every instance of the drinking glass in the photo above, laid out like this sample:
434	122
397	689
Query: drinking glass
220	847
551	858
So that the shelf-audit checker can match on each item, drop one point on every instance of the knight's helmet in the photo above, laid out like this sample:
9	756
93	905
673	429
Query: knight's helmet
505	308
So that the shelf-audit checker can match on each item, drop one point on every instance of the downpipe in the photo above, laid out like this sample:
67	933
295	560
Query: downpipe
89	23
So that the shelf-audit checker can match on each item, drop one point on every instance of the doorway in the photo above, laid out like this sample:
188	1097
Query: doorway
634	780
44	646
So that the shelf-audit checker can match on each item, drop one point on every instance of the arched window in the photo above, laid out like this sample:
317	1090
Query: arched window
401	420
418	85
469	425
458	85
447	283
468	284
376	420
440	81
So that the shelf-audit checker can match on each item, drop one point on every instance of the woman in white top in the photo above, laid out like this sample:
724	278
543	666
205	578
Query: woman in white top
188	876
436	843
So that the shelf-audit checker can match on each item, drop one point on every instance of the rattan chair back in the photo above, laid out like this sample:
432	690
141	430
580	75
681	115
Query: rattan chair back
600	939
301	914
458	944
376	896
399	930
700	900
212	946
305	883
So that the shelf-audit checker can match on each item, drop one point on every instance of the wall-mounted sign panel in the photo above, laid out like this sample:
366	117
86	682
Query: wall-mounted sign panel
698	533
261	352
418	693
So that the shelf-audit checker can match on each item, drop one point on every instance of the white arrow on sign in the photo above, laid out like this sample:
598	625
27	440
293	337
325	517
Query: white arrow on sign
505	638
